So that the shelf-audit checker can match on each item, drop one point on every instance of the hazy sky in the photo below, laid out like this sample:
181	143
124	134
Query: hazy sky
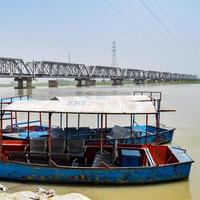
147	34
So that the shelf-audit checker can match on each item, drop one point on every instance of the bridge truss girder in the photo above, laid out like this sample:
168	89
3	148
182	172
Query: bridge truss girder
47	69
13	67
16	68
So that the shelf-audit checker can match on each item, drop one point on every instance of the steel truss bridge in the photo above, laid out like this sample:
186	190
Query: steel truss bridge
18	69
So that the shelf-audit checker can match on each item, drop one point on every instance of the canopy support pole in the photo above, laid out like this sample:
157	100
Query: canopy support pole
16	118
67	131
78	122
106	125
60	120
158	107
1	135
49	137
133	119
98	123
101	134
157	127
132	124
147	116
66	123
28	136
40	115
11	118
11	121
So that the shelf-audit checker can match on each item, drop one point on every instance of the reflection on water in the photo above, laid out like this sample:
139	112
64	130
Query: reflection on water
21	92
184	98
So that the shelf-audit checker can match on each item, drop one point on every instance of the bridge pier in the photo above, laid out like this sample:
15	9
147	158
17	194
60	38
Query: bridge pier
20	83
139	81
53	83
117	81
85	82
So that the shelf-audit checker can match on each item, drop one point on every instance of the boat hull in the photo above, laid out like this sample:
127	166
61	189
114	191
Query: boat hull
163	138
136	175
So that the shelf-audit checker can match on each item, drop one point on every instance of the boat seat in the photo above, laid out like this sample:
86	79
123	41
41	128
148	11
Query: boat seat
58	151
38	150
70	131
76	148
118	132
58	145
84	131
57	132
106	159
18	155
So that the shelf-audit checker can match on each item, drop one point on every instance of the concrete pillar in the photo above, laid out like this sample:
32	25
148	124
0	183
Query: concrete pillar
85	82
53	83
29	83
117	81
79	82
139	81
89	82
20	83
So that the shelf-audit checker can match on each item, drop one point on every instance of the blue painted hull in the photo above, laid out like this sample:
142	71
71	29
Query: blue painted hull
136	175
164	136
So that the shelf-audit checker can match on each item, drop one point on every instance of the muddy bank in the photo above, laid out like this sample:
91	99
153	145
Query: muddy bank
39	194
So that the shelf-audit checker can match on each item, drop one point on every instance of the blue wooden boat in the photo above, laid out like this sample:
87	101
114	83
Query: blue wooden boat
173	165
58	159
142	134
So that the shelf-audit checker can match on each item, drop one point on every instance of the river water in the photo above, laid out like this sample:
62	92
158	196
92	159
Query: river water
184	98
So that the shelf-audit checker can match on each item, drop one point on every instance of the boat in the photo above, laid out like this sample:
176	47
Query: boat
58	159
133	134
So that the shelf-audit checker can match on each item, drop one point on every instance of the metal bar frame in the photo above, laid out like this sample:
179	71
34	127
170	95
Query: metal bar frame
147	116
50	136
101	144
28	136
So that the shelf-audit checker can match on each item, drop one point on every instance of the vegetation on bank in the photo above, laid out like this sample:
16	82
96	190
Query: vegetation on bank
103	82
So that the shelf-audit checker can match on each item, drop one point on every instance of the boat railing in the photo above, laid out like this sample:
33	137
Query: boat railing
26	123
156	97
8	100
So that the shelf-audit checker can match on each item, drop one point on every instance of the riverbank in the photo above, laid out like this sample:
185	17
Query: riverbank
39	194
106	83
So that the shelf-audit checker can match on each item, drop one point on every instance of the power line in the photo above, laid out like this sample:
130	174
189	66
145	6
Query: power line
168	30
133	25
147	20
136	27
184	28
157	19
171	21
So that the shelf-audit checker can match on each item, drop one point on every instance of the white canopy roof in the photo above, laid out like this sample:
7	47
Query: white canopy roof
102	98
89	104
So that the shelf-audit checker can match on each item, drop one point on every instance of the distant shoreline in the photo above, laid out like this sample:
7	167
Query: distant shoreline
107	83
